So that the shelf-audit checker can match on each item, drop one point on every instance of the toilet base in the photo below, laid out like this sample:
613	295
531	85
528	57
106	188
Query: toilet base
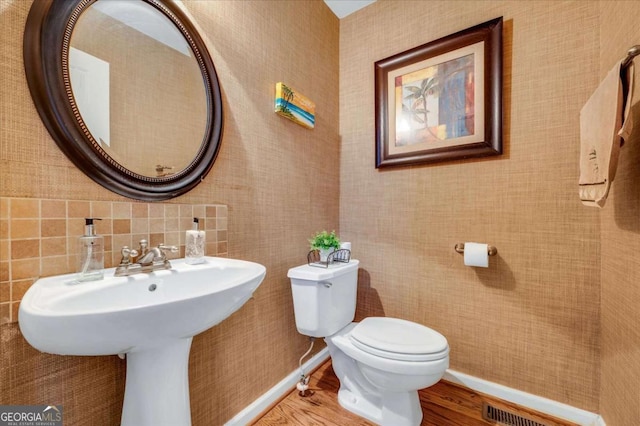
359	405
358	395
399	408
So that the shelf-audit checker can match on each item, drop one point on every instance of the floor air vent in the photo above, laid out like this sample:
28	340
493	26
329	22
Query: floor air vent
502	417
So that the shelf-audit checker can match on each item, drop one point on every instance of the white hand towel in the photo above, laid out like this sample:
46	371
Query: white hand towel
601	129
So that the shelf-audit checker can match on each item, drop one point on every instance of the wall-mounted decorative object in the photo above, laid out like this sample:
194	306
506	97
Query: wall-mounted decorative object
297	108
441	101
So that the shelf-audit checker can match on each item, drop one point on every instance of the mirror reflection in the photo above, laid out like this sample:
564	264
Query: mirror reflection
138	87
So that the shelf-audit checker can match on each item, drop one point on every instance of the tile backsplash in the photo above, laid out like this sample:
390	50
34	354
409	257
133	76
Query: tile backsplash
39	237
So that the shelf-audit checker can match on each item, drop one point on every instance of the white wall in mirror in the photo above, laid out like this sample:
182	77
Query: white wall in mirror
90	85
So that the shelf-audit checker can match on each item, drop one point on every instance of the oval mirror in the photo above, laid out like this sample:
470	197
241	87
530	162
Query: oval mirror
127	90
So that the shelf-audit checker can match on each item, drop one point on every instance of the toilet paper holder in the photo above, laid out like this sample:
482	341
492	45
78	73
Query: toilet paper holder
459	247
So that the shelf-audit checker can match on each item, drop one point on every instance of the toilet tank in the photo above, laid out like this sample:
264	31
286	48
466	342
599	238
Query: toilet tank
324	299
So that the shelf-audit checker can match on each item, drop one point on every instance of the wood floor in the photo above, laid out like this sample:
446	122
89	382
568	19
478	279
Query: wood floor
444	404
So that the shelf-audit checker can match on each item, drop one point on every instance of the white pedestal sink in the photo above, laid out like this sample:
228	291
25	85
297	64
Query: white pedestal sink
150	317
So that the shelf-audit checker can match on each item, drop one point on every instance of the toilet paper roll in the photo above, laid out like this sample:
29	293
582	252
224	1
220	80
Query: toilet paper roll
345	245
476	254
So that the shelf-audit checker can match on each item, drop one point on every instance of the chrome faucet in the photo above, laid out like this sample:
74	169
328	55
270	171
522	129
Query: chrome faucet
144	260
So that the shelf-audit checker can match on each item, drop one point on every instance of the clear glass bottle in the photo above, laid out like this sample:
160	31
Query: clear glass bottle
194	244
90	254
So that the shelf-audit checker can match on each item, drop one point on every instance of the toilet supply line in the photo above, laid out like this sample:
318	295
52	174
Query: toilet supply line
303	384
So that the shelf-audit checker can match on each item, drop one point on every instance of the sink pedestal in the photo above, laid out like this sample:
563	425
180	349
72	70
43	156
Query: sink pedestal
157	385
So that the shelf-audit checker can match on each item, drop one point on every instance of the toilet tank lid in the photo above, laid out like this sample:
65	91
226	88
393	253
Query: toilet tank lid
315	273
397	335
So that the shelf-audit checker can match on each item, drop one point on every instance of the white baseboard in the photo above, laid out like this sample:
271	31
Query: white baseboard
274	394
527	400
534	402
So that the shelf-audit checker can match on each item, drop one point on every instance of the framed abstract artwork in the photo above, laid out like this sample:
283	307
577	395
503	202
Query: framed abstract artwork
441	101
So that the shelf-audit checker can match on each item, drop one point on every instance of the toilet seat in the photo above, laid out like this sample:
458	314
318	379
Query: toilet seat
345	342
398	339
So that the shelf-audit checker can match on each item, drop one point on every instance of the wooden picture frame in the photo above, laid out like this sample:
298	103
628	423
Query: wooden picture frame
441	101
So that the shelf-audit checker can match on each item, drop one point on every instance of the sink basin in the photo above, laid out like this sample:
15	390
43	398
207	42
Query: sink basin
61	316
150	317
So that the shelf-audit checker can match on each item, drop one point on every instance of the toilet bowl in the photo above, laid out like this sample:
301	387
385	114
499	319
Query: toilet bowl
381	362
381	384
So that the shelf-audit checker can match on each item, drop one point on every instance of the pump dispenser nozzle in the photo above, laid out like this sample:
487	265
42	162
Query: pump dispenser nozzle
88	225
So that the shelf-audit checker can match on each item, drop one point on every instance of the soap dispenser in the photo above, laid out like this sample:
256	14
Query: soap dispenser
194	244
90	254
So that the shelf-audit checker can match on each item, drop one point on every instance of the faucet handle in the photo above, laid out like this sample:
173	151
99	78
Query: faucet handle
172	249
127	254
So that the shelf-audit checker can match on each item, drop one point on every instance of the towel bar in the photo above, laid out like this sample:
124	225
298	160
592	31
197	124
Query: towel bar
459	247
631	53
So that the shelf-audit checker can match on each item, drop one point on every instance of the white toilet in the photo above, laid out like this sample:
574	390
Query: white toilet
380	362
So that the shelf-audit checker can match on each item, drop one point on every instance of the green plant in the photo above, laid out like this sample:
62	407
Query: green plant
325	240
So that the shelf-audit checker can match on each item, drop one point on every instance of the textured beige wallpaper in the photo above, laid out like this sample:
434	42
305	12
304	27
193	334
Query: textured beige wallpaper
531	320
620	223
279	180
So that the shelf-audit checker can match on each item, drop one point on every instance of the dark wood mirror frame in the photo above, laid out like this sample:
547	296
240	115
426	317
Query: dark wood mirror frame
46	47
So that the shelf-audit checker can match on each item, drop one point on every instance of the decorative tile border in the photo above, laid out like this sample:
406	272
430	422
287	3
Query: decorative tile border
39	237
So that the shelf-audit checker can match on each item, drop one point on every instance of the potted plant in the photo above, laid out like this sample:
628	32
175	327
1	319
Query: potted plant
326	243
